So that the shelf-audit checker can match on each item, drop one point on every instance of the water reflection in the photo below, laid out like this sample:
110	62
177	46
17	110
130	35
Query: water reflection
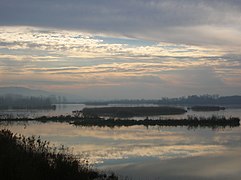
221	166
166	152
147	153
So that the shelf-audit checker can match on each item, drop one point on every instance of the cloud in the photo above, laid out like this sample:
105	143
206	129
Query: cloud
187	21
81	45
42	57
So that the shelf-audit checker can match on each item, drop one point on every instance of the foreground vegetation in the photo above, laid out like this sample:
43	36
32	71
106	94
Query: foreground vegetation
133	111
28	158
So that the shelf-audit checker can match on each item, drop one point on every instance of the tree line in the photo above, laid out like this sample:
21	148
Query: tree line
12	101
205	99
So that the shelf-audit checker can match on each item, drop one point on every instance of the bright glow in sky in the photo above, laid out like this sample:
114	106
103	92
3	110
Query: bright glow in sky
122	49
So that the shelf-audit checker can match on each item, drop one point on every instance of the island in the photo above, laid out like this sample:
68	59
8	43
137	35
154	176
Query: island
133	111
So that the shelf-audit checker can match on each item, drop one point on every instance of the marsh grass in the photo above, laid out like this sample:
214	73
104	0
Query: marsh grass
31	158
190	122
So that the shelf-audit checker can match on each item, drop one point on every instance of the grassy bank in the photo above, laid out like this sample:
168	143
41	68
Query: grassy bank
30	158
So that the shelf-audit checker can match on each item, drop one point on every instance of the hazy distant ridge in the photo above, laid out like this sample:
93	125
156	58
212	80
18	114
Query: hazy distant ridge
23	91
189	100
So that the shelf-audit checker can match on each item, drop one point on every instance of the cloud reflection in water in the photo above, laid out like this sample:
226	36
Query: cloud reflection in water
167	152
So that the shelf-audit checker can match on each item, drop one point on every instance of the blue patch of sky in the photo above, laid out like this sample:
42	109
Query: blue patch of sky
131	42
130	160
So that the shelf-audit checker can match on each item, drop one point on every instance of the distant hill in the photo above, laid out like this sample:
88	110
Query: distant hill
37	93
23	91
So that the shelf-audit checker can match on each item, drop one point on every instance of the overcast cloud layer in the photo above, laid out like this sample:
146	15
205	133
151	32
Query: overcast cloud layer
122	49
187	21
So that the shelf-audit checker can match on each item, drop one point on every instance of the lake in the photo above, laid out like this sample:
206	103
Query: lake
66	109
148	153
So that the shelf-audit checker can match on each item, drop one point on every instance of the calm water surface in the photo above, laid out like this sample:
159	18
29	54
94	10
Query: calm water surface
66	109
149	153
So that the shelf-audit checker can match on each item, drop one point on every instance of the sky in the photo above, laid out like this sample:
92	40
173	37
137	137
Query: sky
128	49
